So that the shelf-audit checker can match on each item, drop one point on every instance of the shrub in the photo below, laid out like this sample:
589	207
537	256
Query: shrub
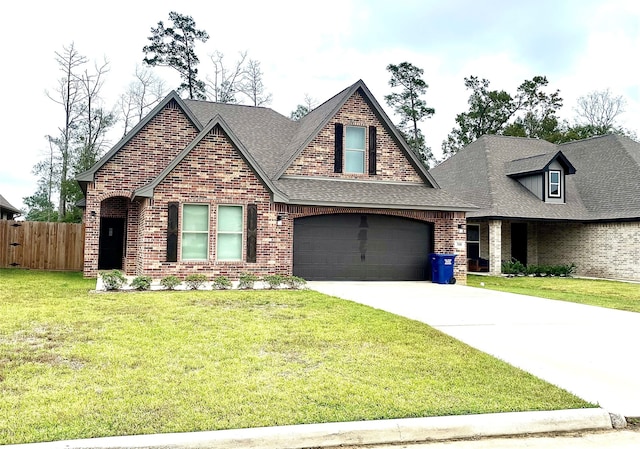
513	267
566	270
170	282
221	283
195	281
141	283
273	280
294	282
247	280
532	270
516	268
113	280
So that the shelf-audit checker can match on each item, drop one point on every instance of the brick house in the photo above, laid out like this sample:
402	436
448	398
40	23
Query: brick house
547	204
221	189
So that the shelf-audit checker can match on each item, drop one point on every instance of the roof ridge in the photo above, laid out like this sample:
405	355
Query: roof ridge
491	177
531	157
239	105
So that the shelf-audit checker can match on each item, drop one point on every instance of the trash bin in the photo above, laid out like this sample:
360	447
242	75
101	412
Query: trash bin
442	268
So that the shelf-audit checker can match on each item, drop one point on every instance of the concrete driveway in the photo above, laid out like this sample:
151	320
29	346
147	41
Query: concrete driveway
589	351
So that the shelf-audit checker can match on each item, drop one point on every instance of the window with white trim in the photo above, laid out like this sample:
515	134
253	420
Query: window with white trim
195	232
354	149
229	236
555	180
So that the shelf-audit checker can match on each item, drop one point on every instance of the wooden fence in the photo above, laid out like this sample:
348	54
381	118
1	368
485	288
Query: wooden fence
41	245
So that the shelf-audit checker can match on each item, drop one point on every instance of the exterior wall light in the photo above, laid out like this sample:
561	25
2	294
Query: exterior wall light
279	220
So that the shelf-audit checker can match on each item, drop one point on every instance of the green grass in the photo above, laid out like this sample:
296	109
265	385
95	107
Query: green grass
611	294
75	364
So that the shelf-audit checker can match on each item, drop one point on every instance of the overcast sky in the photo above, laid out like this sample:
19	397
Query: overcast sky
319	48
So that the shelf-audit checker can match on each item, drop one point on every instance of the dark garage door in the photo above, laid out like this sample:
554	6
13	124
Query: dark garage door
361	247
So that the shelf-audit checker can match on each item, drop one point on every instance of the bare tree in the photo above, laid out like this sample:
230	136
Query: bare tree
69	94
599	109
79	141
141	96
96	120
252	85
226	81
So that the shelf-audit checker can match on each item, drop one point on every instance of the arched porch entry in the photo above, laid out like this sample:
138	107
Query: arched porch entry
113	225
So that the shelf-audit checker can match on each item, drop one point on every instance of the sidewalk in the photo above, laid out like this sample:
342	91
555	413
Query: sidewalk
381	432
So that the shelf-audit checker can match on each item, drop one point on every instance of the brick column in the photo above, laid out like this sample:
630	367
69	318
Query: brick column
495	247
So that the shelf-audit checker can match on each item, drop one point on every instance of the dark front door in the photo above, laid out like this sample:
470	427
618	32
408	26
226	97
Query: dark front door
111	243
361	247
519	242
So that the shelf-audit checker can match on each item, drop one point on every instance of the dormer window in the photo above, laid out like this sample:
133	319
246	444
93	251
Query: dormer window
354	149
543	175
555	179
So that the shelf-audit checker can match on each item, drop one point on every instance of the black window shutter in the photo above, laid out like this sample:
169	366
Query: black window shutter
372	150
337	167
172	233
252	232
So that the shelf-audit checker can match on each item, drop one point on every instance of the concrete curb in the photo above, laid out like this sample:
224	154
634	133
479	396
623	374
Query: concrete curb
356	433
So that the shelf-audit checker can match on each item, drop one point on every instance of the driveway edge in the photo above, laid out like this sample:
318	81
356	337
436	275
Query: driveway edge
357	433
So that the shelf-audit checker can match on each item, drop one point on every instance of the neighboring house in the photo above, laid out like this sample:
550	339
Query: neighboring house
7	211
222	189
546	204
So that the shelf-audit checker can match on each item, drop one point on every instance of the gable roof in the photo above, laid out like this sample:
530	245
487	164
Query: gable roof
269	142
604	187
88	175
5	205
147	190
263	131
537	164
311	124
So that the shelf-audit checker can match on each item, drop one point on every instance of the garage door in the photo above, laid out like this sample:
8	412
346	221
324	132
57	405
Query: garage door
361	247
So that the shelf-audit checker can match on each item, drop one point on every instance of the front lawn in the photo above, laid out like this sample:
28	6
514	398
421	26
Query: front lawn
75	364
611	294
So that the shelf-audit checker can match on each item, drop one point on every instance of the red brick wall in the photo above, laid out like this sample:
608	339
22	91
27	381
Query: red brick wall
317	159
213	173
137	163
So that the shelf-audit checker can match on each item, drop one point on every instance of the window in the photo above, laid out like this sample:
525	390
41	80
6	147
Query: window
554	183
229	233
473	241
195	231
354	153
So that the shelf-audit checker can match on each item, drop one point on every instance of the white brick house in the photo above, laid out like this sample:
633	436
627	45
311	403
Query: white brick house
547	204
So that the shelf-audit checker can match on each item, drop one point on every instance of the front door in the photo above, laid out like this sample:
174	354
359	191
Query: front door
111	243
519	242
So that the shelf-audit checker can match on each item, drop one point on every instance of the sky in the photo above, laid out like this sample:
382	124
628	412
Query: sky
316	49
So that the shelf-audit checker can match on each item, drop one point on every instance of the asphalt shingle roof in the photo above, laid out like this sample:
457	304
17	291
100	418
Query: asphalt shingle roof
263	131
270	141
4	204
331	192
604	187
